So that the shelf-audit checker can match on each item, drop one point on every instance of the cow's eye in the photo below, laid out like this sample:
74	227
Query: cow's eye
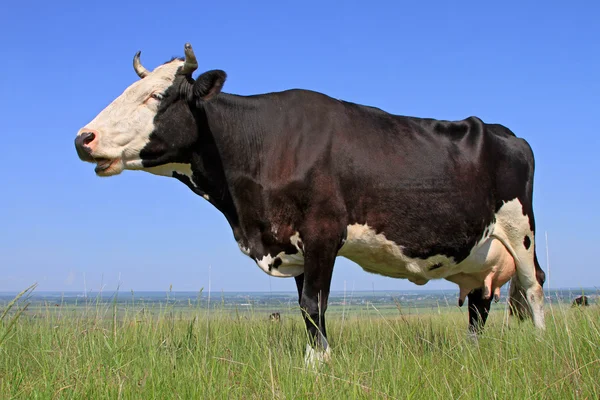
157	96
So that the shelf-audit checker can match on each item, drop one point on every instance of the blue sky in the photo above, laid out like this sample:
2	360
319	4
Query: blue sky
534	69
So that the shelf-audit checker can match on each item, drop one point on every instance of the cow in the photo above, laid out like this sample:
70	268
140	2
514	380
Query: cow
275	317
303	178
581	301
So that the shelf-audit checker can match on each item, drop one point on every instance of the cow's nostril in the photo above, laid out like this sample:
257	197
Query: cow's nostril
87	138
82	145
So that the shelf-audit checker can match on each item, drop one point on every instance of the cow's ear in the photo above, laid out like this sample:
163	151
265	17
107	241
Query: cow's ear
209	84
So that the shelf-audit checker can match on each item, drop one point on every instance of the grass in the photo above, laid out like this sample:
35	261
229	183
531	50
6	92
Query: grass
113	351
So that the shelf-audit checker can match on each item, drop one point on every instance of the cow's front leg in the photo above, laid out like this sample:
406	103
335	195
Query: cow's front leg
319	258
479	309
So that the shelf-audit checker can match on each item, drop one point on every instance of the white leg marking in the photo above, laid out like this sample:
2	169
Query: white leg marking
315	358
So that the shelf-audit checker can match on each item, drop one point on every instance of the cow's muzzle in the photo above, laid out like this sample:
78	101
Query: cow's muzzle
82	145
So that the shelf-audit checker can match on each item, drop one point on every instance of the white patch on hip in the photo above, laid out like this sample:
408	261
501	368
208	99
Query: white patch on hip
513	225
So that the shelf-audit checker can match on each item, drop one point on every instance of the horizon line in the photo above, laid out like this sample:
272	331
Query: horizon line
589	288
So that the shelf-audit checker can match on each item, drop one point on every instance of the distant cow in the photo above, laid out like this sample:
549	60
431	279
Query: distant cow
303	178
581	301
275	317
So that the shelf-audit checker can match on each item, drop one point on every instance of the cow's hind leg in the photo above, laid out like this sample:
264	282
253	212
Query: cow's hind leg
525	287
516	232
300	286
517	301
517	298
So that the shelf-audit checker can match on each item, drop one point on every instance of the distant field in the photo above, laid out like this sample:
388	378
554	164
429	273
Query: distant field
172	349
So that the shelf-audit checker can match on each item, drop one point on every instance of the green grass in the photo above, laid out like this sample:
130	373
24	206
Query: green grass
110	351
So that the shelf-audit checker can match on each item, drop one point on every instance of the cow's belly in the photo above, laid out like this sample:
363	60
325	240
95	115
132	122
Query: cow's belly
377	254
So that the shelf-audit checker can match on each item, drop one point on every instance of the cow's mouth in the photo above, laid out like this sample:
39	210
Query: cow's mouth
103	165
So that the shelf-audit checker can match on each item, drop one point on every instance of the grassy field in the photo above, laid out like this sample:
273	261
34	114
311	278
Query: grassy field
114	351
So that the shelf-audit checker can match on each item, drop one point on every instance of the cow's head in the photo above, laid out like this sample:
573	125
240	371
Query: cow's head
152	122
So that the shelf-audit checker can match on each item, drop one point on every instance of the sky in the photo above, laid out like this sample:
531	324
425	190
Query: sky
533	68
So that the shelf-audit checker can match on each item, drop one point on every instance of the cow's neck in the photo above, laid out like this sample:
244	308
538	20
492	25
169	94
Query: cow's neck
208	181
203	174
237	125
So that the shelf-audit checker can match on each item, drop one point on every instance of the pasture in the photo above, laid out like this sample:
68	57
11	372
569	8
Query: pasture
132	349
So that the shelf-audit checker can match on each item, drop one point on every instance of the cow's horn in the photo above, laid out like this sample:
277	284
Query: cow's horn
138	67
190	64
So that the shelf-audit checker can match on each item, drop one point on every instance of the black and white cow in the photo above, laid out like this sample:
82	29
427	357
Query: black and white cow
303	178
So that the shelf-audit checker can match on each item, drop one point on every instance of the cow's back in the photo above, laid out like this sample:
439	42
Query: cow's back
428	185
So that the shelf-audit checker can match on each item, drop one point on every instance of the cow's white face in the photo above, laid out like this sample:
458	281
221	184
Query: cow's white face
114	139
152	124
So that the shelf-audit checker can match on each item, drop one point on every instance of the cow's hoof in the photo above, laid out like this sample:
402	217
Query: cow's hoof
472	337
315	358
